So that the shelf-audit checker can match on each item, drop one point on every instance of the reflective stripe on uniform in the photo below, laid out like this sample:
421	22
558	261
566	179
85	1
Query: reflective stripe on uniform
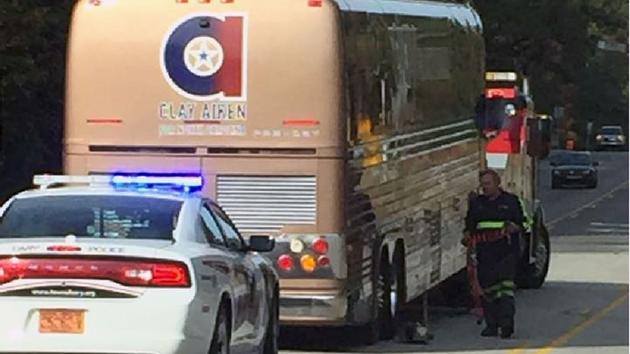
504	285
490	225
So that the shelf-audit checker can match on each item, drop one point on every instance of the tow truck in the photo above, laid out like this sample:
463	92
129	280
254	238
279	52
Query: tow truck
516	140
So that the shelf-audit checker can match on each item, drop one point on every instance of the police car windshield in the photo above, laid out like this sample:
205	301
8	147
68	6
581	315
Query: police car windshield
110	217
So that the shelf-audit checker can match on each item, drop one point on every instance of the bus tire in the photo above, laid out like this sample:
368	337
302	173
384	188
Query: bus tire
381	326
398	293
532	276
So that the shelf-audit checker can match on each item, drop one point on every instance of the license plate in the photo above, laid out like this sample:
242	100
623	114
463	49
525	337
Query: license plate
62	321
574	177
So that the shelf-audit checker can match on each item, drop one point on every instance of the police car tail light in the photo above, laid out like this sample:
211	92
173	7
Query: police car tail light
145	273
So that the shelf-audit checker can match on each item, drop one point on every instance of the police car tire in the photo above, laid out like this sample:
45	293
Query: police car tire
273	328
221	335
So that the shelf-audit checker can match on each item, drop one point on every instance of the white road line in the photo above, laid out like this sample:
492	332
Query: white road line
587	205
608	231
612	224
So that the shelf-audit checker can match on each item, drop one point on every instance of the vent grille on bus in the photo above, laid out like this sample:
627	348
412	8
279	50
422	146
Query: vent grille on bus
267	203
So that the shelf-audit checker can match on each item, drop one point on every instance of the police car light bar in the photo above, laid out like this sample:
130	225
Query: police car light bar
185	182
45	181
501	76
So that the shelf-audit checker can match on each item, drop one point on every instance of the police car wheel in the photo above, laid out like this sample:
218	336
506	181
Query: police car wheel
273	328
221	336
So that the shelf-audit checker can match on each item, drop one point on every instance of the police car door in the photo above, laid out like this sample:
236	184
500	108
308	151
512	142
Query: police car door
251	300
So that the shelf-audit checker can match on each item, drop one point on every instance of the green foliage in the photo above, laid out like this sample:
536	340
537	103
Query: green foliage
32	52
554	43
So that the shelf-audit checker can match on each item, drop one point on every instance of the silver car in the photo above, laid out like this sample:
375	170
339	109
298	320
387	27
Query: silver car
610	137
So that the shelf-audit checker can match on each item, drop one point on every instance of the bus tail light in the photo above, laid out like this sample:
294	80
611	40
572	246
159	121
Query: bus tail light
308	263
285	263
145	273
320	246
315	3
296	245
323	261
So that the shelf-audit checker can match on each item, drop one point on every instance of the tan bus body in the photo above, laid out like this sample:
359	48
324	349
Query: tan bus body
346	120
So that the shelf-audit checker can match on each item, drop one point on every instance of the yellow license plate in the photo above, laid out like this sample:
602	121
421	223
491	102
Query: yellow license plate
62	321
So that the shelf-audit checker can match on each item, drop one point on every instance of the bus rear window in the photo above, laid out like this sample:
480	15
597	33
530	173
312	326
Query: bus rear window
112	217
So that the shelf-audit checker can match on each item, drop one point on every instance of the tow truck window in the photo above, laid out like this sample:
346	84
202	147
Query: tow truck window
495	113
113	217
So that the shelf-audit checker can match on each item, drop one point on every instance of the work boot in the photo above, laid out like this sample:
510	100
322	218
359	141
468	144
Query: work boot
490	315
490	331
506	332
505	317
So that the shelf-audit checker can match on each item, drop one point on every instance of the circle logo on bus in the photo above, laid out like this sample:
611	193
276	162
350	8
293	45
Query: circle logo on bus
202	57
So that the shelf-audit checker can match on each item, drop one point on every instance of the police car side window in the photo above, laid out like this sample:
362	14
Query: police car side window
211	228
232	236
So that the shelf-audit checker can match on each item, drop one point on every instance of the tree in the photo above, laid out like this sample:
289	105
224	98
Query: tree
32	52
555	44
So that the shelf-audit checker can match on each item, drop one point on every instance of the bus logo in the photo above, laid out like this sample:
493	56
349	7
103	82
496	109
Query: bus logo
203	57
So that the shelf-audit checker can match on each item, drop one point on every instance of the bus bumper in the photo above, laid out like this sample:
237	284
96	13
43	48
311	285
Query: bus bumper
314	308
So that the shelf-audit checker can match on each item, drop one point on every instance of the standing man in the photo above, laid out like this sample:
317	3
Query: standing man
493	226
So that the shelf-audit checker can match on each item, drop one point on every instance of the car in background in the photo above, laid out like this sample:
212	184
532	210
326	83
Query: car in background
574	168
610	137
131	264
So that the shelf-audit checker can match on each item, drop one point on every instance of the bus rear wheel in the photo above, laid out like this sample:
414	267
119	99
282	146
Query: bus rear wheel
384	303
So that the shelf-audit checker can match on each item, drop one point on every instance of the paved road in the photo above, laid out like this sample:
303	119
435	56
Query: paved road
583	308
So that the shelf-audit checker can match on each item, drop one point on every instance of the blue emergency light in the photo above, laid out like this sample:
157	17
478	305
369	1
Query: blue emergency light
175	182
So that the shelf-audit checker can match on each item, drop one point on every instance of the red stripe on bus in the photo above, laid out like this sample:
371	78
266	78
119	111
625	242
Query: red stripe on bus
310	122
104	120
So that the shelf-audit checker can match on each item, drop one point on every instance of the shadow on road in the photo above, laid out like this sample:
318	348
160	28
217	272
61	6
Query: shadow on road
542	316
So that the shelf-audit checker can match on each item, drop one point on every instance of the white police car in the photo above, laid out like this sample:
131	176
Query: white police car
125	264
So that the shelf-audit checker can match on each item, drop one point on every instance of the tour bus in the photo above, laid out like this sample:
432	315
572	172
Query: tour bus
343	128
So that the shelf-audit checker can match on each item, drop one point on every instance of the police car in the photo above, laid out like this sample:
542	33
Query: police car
131	264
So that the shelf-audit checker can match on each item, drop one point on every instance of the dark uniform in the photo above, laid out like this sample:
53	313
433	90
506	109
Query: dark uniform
497	254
